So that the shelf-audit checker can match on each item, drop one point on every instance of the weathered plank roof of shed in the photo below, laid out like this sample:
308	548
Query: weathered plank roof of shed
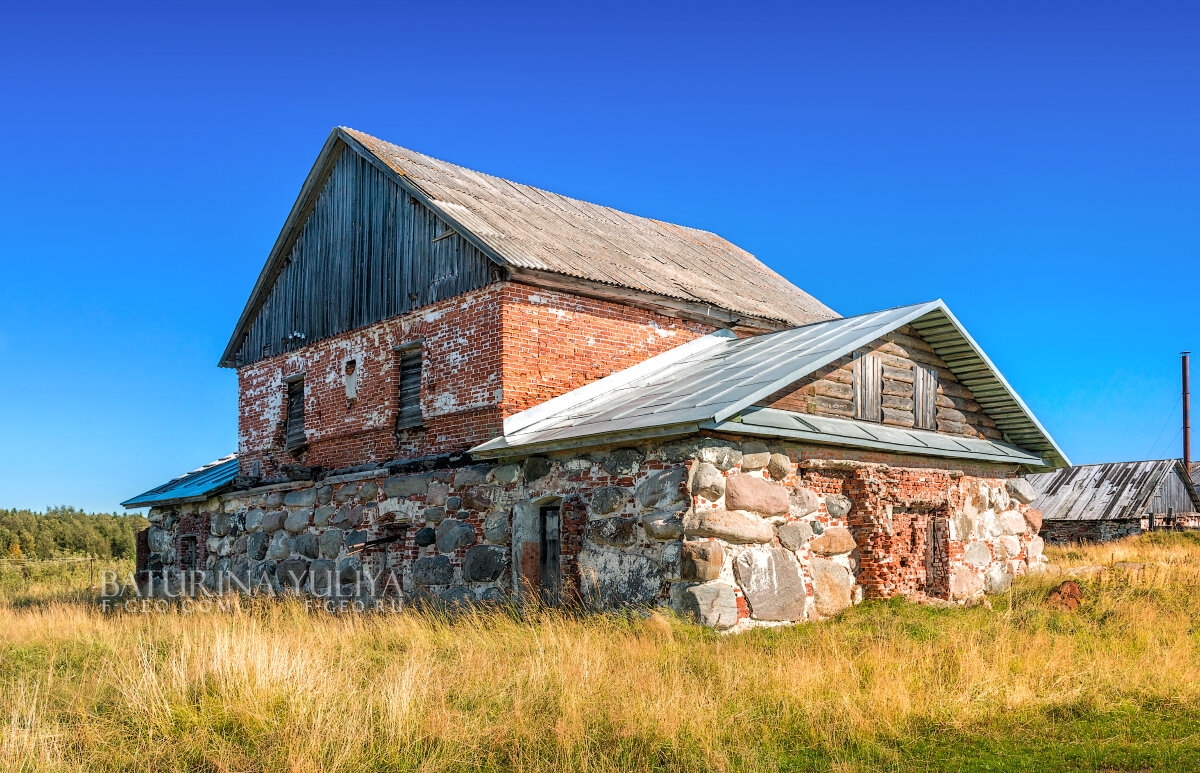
714	382
1105	492
528	228
201	483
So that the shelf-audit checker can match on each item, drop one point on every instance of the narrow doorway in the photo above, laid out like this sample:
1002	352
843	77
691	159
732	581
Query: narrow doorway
937	556
550	565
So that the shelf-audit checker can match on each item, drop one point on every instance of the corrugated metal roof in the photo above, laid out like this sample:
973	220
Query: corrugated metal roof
198	484
719	376
1105	492
529	228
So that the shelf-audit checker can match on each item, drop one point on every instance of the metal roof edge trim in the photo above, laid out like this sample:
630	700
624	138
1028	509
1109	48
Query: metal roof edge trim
1003	381
820	438
499	447
917	310
580	395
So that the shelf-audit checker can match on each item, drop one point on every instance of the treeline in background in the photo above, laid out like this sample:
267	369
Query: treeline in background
64	531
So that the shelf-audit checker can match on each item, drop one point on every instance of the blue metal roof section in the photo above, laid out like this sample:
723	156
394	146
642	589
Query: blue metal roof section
199	484
714	380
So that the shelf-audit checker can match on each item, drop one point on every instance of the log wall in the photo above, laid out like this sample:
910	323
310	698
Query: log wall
830	391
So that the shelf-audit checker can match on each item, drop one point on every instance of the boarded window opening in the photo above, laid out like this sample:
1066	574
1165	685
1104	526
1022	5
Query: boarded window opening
294	435
925	385
868	387
550	569
409	364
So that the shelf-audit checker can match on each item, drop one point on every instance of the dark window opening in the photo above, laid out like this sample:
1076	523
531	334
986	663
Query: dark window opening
868	387
409	387
925	384
294	434
187	553
550	569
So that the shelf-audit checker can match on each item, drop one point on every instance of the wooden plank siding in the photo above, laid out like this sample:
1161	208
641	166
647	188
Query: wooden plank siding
366	252
832	390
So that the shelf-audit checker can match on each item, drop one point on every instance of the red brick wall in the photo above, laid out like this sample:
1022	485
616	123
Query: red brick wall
487	354
555	342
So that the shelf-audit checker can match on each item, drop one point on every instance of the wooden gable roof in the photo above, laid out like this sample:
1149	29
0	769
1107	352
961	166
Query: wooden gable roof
551	240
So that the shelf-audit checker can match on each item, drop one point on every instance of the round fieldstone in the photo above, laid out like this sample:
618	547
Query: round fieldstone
660	489
457	596
615	531
330	543
345	493
793	535
256	545
837	505
297	521
453	503
305	497
292	572
254	519
536	467
507	473
622	461
349	570
273	520
280	547
323	515
453	534
324	495
368	492
435	514
306	545
497	529
607	499
485	563
425	537
348	517
433	570
708	482
779	466
321	576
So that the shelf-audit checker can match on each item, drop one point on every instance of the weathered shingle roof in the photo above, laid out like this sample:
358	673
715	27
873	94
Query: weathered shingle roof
201	483
528	228
714	382
1112	491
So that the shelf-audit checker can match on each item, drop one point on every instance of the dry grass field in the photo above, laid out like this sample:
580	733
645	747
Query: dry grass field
1114	685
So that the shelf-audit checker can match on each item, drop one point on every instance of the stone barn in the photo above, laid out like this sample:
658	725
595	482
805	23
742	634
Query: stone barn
457	389
1097	502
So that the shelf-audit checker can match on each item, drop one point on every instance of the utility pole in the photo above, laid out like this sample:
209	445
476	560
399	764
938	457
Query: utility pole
1187	418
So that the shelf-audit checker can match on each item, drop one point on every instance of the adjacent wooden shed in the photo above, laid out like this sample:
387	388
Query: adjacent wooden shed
1108	501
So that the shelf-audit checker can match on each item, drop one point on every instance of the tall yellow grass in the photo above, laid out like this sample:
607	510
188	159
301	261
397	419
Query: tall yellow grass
887	686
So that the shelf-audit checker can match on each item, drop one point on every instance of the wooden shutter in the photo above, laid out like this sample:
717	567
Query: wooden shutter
295	414
410	389
868	387
924	397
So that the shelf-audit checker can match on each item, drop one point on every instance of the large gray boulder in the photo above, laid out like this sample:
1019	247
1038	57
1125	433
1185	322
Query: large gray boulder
779	467
433	570
220	524
453	534
465	477
713	604
721	457
660	489
772	583
837	505
729	525
272	520
496	528
607	499
292	572
280	547
536	467
323	515
965	583
485	563
833	586
611	579
304	497
616	531
406	486
803	501
622	461
306	545
297	521
348	517
321	575
663	526
1012	522
158	540
254	519
794	534
1020	490
330	543
256	545
708	482
755	494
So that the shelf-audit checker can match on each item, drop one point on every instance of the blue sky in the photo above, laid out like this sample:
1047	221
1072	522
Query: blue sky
1034	164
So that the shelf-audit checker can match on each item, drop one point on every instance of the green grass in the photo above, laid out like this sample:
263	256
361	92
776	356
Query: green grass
887	686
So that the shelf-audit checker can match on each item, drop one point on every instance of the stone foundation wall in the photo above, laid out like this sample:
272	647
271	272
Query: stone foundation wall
1060	532
731	532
